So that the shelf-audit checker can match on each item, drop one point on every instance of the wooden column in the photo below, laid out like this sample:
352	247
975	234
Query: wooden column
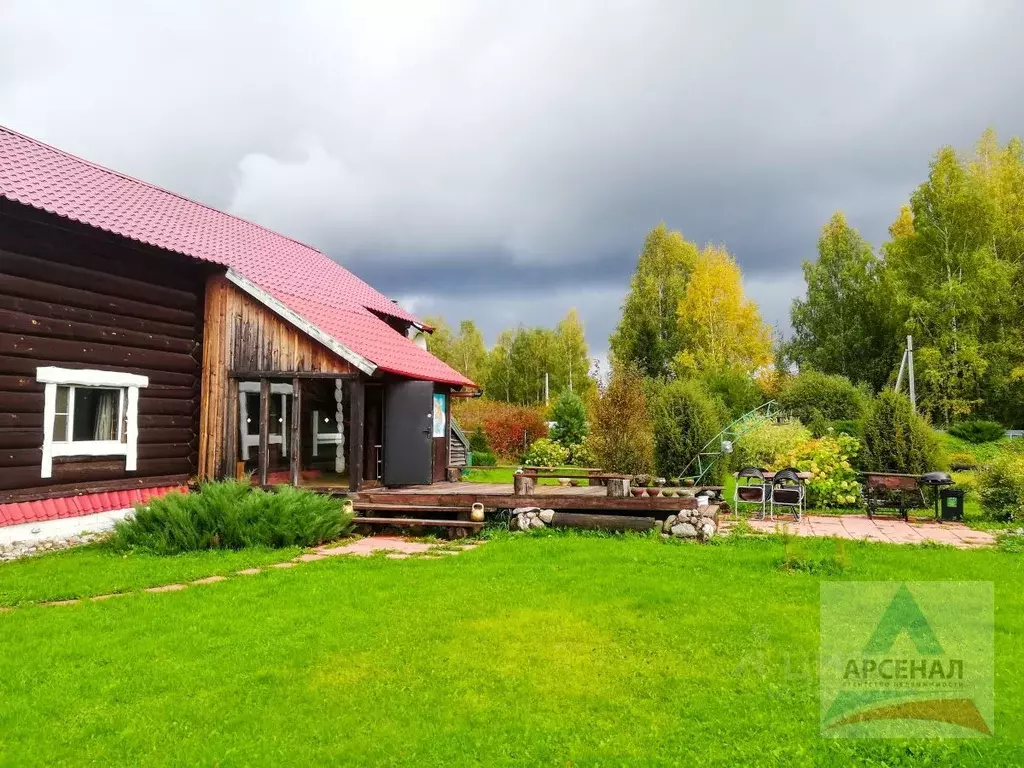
357	422
264	458
295	438
226	467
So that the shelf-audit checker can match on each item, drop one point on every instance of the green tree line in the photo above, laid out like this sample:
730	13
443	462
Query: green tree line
514	369
951	275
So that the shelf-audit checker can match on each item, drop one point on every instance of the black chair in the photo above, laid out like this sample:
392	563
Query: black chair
751	489
787	491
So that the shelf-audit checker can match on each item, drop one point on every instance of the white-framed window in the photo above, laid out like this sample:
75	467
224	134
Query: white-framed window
90	413
249	416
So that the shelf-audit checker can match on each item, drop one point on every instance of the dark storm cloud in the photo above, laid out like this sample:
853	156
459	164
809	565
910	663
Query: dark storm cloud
504	161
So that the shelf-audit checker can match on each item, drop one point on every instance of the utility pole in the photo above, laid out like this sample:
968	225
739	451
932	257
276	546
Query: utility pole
907	364
546	388
910	372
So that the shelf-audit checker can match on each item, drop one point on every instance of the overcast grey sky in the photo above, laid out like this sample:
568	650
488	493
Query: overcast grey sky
502	161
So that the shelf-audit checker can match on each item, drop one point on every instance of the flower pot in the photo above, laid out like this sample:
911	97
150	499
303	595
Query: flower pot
653	492
669	493
660	482
574	483
563	481
637	492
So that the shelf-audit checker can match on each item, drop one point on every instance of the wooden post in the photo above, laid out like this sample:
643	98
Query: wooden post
294	439
357	420
227	466
523	485
264	458
618	488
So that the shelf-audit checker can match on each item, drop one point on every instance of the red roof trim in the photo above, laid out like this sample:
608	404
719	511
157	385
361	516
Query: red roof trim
77	506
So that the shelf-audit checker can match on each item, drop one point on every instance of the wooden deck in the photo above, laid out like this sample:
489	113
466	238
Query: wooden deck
500	496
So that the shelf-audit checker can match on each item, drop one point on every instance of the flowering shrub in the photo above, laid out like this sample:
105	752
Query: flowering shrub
508	429
580	455
833	480
764	444
546	453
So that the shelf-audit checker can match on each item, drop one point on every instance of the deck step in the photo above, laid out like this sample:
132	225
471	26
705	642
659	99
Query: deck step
399	505
399	522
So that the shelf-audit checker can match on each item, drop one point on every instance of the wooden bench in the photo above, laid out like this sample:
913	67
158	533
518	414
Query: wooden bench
592	478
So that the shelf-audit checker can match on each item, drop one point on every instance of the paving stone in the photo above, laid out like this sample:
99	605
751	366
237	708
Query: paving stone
210	580
248	572
397	556
61	602
310	557
285	564
110	595
168	588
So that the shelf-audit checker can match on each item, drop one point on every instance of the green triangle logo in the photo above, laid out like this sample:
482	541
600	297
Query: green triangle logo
903	615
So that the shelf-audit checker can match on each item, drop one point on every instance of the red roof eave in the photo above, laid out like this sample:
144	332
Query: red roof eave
321	291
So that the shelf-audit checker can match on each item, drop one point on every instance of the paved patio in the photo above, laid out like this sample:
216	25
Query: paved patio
861	527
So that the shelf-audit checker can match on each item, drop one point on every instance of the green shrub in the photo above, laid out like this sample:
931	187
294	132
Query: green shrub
546	453
580	455
978	431
484	459
231	515
478	441
734	387
1001	486
570	417
685	418
621	436
851	427
833	397
962	460
898	440
765	444
829	460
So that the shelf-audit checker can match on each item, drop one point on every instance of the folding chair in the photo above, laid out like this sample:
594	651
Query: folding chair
750	489
787	491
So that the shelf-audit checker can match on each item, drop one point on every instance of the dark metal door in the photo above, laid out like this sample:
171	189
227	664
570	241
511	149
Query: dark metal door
408	426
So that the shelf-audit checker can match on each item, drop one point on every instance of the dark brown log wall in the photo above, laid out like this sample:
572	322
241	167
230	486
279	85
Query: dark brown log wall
76	297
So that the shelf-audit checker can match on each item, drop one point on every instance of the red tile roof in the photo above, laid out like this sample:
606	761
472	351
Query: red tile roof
323	292
73	506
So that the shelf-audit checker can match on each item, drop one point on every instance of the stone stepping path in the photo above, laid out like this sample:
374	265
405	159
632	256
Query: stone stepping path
394	547
864	528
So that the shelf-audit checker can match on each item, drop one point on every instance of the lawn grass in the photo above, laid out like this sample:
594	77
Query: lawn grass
548	649
94	570
498	475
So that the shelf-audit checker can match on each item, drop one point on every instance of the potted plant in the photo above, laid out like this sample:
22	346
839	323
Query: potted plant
637	491
669	493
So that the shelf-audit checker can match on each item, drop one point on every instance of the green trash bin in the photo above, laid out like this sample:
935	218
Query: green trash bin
951	500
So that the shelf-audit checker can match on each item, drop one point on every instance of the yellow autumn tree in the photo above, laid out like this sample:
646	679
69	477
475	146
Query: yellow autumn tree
720	325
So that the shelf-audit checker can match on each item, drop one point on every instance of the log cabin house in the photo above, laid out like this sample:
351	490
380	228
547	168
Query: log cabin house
146	340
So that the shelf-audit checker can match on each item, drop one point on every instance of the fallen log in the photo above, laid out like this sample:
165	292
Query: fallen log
602	522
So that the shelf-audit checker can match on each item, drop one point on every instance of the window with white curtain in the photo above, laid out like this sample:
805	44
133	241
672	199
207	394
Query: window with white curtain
89	413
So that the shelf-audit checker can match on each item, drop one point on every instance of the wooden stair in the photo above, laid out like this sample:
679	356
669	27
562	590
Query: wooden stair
402	519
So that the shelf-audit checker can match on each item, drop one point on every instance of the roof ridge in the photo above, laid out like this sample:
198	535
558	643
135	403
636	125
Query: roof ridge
158	188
